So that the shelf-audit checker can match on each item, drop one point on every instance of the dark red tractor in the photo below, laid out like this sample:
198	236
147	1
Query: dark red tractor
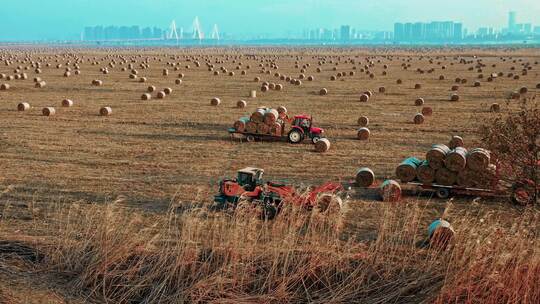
526	191
302	127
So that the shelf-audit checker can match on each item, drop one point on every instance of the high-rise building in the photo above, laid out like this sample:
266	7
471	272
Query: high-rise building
407	31
512	22
458	31
89	33
527	28
418	31
399	31
345	33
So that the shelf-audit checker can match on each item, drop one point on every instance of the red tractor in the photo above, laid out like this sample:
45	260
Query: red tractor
269	196
301	127
526	191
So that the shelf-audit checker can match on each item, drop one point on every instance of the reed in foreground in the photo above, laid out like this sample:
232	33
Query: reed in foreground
196	256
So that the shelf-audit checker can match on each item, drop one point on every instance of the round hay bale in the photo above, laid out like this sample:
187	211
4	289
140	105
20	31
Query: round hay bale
322	145
48	111
445	177
258	115
105	111
257	79
231	73
240	124
40	84
216	73
215	101
165	72
161	95
23	106
263	128
456	141
251	127
146	96
310	78
523	90
97	82
364	98
436	156
440	234
167	91
476	83
427	111
253	94
67	103
272	86
363	121
264	88
456	160
178	81
417	86
441	77
382	89
406	171
390	191
418	118
282	110
495	107
333	78
270	116
399	81
425	173
4	87
133	76
241	104
364	177
419	102
279	87
323	91
151	89
67	74
142	79
454	97
363	133
455	88
478	159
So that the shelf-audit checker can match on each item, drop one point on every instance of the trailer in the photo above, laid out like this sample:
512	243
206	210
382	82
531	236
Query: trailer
442	191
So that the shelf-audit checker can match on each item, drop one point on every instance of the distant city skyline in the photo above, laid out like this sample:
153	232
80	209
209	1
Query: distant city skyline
63	19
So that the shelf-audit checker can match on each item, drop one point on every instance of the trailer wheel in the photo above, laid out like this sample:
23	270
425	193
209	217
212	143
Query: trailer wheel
442	193
250	138
295	136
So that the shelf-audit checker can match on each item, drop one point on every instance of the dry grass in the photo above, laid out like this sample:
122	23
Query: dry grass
114	254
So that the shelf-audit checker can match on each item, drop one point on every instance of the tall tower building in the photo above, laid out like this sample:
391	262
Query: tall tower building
511	22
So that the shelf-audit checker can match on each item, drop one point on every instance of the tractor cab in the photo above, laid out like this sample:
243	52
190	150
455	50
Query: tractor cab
249	178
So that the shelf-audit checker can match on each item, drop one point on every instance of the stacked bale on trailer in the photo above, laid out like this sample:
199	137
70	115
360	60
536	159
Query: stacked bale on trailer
447	166
264	121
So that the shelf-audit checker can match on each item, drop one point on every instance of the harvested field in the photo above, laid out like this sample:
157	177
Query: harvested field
165	142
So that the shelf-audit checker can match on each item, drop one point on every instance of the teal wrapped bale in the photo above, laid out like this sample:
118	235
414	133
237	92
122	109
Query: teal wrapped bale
406	171
440	234
425	173
390	191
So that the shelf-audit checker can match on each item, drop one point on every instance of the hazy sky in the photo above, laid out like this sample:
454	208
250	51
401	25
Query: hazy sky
60	19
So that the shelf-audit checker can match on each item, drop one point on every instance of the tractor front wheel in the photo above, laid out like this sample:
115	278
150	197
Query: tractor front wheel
522	194
315	139
295	137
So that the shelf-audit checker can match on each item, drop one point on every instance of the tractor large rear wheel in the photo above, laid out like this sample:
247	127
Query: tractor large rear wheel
295	136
